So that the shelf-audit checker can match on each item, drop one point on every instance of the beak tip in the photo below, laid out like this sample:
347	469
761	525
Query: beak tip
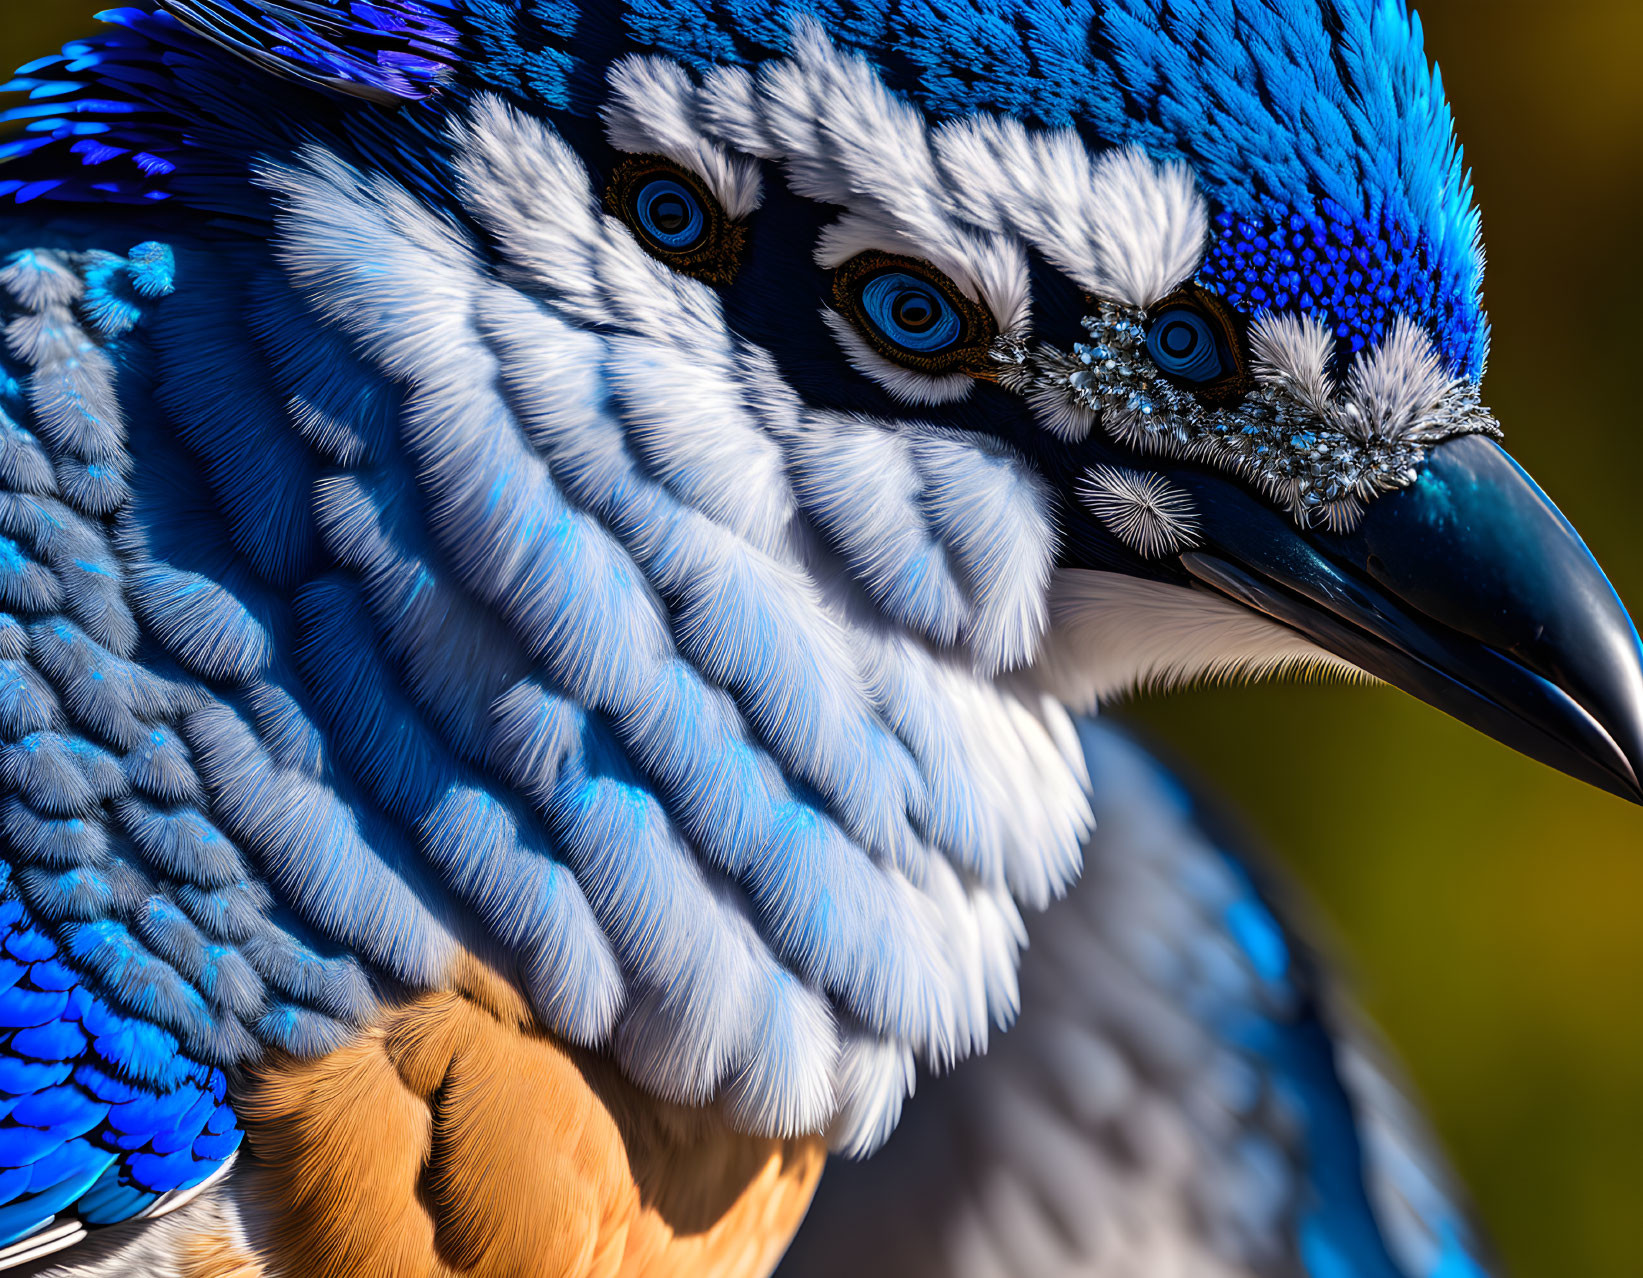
1512	575
1469	590
1613	694
1626	772
1630	749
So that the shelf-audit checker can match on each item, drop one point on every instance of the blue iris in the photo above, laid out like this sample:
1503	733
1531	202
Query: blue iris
1182	343
670	214
910	312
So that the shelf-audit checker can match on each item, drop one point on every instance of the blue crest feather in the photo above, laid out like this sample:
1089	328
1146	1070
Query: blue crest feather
386	50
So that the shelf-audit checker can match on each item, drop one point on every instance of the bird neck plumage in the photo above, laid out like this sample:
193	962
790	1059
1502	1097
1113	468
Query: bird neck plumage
602	671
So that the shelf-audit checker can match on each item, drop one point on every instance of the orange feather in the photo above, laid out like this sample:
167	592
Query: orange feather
451	1139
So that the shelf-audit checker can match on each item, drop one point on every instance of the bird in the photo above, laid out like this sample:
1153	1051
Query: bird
559	564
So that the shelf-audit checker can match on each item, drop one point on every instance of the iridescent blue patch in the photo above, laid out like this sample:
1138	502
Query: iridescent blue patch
393	49
100	1113
1354	276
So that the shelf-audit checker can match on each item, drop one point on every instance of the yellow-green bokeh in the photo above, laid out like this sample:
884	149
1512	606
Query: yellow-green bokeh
1493	911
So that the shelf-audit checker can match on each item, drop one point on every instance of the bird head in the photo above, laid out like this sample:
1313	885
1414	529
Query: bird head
1213	272
1205	279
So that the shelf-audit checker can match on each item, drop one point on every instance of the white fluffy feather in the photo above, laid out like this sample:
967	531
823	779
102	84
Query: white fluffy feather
1119	224
652	111
1141	508
1393	389
1293	352
1114	634
873	1077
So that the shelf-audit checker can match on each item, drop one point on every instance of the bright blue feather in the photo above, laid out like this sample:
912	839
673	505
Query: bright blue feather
393	49
368	603
73	1122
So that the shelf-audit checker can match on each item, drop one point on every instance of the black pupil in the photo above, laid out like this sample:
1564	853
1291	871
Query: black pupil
914	311
1179	339
669	213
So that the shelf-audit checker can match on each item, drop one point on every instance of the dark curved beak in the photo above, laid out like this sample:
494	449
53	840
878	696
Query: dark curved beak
1469	590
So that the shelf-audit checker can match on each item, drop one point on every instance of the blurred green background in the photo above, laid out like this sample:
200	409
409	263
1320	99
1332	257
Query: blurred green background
1493	911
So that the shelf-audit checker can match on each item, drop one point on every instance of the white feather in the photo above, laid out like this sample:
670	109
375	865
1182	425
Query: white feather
1293	353
652	111
873	1077
1119	224
784	1086
1114	634
531	191
1393	389
1141	508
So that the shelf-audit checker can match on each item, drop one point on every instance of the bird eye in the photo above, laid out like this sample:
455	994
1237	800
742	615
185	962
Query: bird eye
669	215
1181	344
675	218
1193	340
911	313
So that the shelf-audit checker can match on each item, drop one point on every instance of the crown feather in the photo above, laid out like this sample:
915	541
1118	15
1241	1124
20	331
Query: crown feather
389	52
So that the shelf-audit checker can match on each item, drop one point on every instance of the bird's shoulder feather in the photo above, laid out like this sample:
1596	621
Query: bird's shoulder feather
114	1108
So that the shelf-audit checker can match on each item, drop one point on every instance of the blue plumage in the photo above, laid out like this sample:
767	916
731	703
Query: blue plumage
105	1111
393	51
405	563
224	417
26	585
346	414
1373	187
109	1110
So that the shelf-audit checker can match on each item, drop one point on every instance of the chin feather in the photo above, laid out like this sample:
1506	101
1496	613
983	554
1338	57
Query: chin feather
1112	634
